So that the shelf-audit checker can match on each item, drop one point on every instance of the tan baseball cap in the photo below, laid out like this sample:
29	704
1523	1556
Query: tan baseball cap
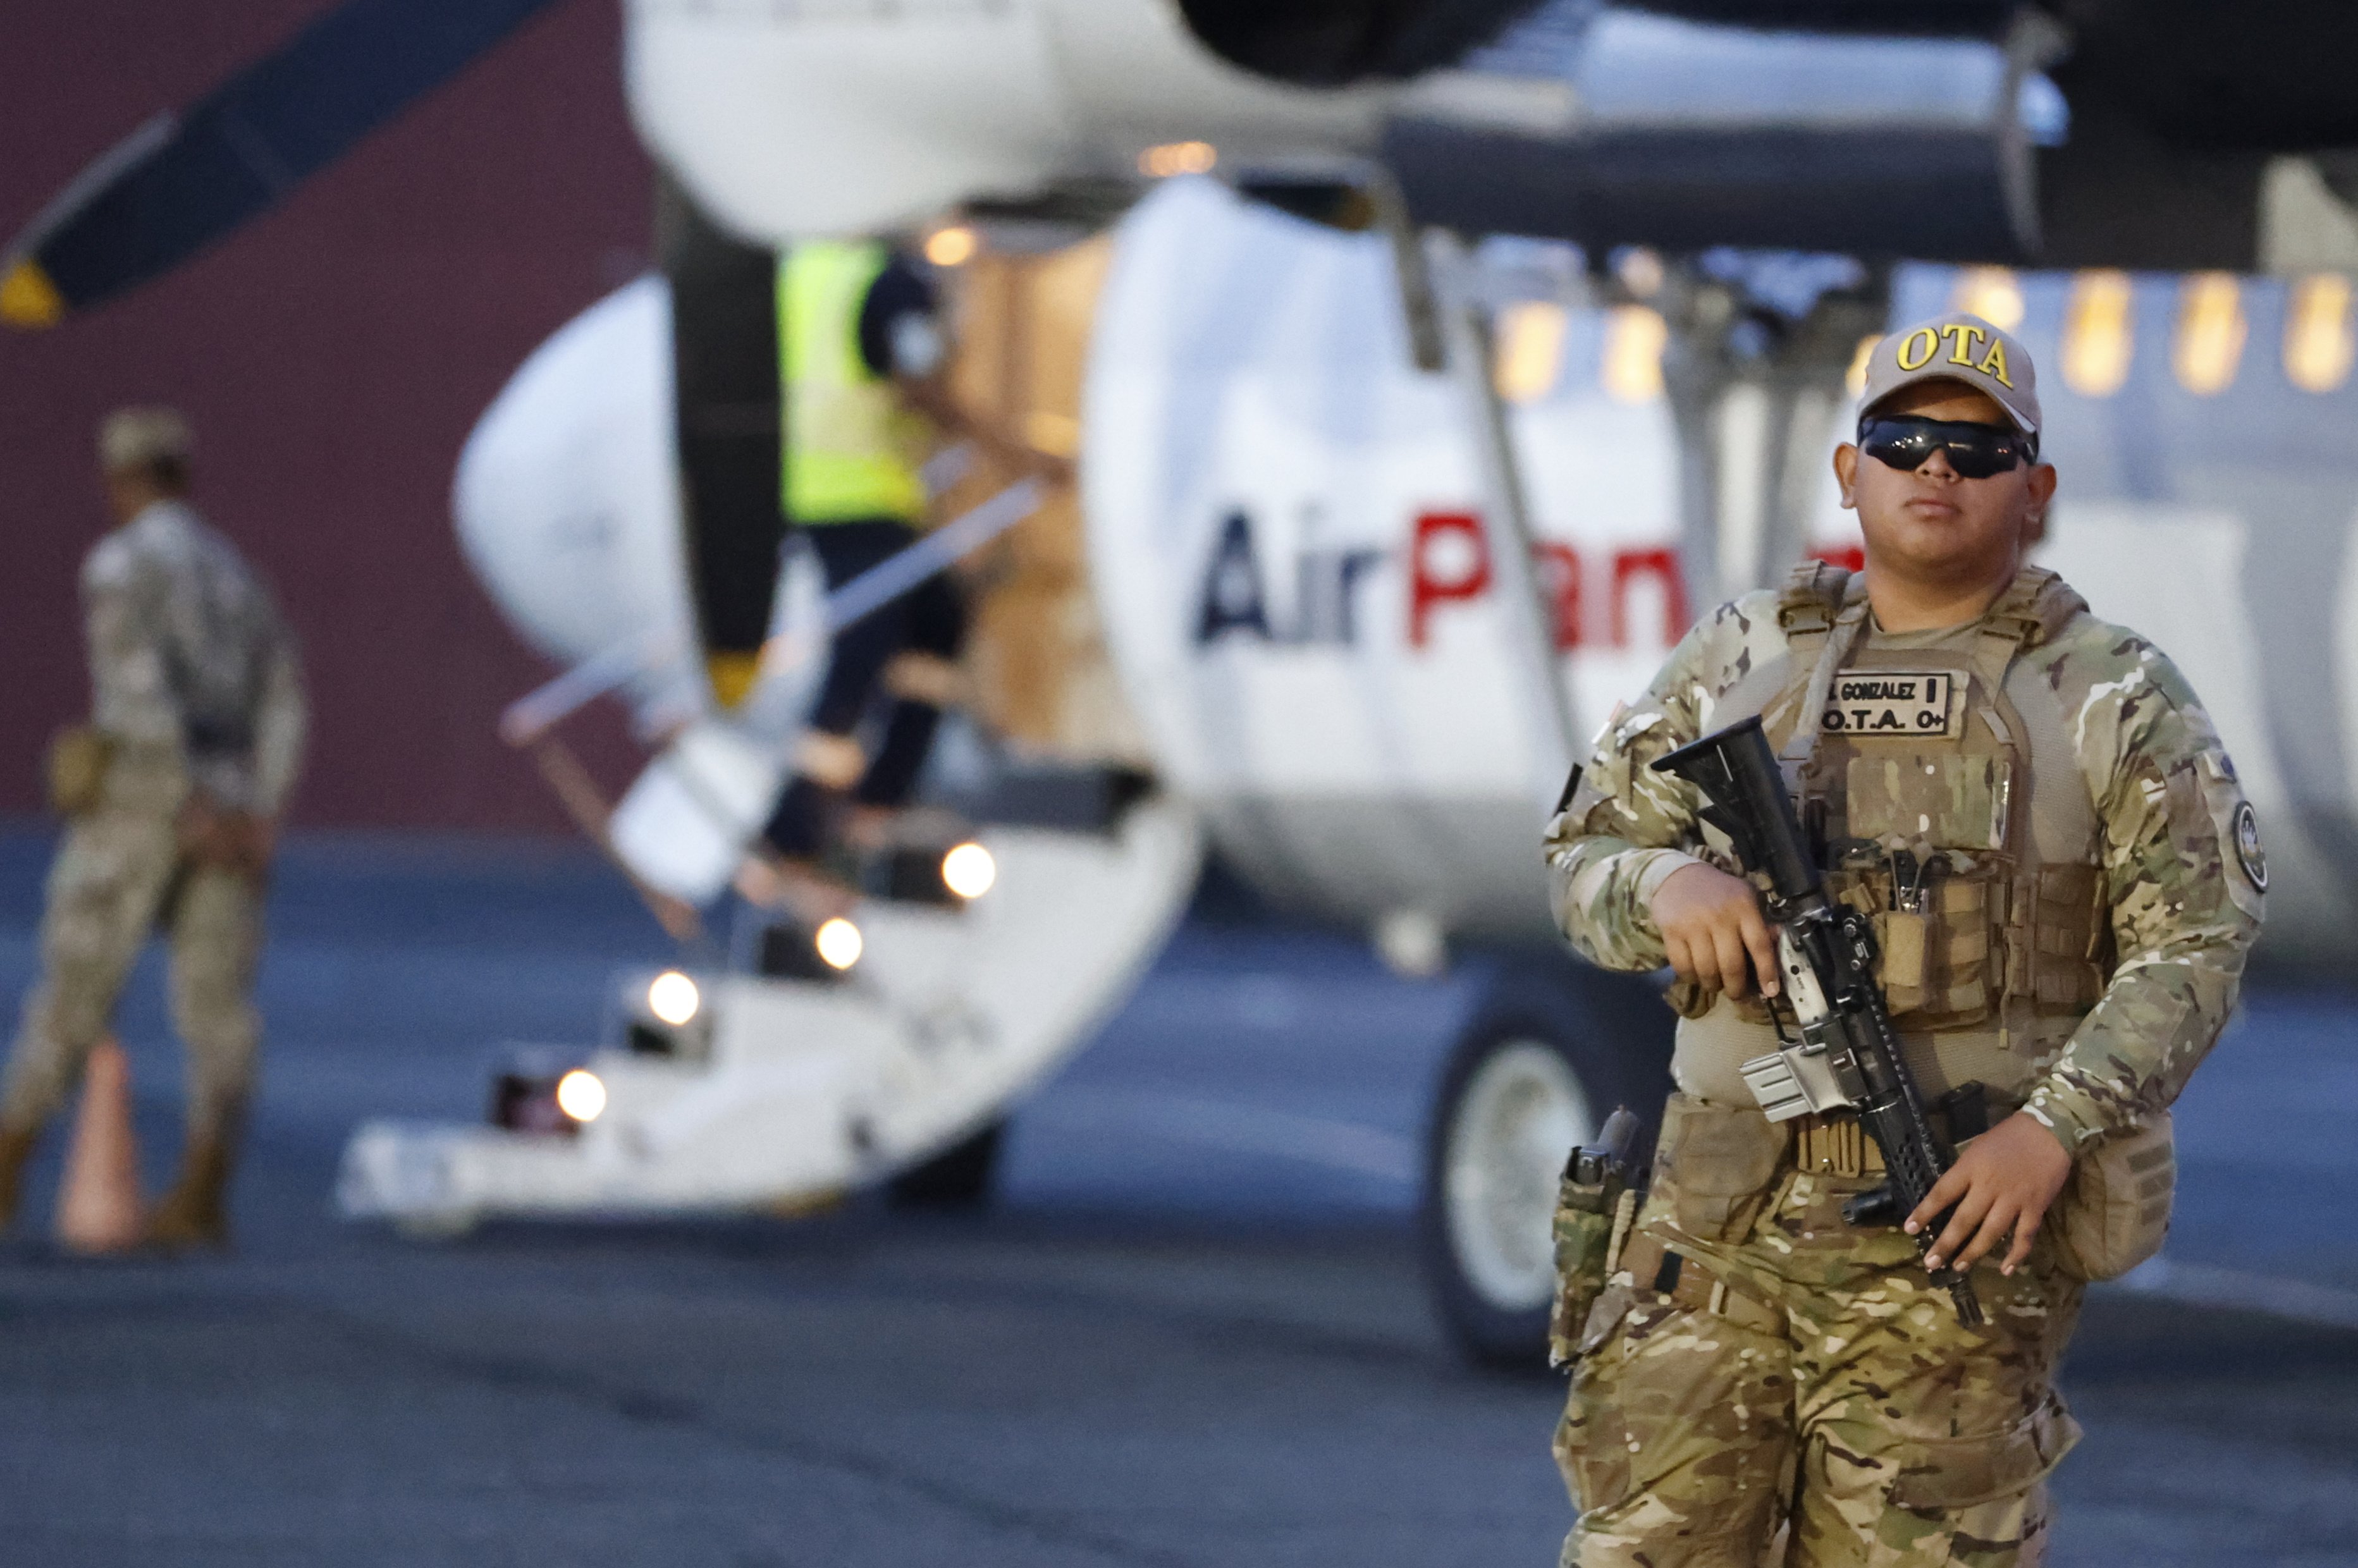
137	438
1958	347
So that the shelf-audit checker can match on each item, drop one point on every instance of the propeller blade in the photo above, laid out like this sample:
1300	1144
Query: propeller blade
183	181
724	304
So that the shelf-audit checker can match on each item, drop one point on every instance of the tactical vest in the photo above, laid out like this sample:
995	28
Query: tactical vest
852	452
1911	771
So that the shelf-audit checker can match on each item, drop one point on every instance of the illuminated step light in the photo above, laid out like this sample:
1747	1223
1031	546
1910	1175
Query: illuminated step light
2210	333
969	870
1634	337
530	1095
1991	294
839	942
2319	344
2098	339
1178	157
953	246
581	1095
672	998
1855	377
1529	353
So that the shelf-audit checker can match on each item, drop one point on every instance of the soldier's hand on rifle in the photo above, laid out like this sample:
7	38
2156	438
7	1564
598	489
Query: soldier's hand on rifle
1715	933
2002	1181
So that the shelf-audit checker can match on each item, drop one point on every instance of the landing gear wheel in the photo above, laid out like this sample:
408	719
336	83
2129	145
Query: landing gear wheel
1530	1079
958	1178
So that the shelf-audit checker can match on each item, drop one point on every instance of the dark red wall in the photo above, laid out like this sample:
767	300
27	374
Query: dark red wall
332	356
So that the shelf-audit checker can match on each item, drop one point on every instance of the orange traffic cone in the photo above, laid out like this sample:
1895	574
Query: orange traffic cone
98	1201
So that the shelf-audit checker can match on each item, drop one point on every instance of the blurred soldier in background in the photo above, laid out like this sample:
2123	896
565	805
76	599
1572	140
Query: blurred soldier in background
862	357
171	795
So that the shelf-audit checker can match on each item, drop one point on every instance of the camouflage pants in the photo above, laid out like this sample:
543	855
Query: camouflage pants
118	875
1829	1391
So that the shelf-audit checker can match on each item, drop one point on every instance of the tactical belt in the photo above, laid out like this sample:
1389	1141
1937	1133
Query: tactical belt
1692	1284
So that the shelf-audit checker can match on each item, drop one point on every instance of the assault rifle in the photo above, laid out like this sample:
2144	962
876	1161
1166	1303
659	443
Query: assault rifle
1846	1054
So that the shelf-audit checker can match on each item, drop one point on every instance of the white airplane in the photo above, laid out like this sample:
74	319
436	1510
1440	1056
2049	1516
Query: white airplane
1288	551
1377	529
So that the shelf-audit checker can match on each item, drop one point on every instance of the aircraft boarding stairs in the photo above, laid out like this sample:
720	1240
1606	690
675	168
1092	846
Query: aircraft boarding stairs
772	1081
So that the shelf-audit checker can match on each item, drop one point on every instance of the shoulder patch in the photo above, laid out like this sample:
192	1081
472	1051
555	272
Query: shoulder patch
2248	854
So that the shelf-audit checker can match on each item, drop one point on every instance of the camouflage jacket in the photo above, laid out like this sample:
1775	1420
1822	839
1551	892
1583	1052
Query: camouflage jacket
191	658
2184	908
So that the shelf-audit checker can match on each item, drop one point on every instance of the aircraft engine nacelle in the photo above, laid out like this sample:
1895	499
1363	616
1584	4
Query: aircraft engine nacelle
568	509
1285	542
858	116
1611	127
567	499
1667	134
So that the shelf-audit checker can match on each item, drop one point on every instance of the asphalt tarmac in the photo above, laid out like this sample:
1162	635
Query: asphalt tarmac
1190	1332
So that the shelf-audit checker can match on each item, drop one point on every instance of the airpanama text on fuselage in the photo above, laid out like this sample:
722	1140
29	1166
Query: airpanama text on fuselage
1447	562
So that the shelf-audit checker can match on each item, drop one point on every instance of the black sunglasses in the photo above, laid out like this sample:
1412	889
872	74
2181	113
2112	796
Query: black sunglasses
1977	451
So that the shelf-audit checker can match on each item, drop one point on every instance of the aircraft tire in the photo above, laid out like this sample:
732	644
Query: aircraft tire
1546	1054
958	1178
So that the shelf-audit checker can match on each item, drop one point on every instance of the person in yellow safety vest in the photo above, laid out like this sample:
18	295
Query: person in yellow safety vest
863	353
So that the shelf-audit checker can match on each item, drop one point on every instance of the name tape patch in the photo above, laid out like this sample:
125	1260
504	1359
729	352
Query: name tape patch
1892	702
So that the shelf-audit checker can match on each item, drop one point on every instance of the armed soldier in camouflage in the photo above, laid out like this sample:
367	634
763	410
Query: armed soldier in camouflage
171	796
2064	879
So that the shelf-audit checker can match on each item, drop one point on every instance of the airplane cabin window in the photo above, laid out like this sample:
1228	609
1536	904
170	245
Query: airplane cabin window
1529	350
1993	294
1855	378
2098	339
1634	336
2319	344
2211	332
